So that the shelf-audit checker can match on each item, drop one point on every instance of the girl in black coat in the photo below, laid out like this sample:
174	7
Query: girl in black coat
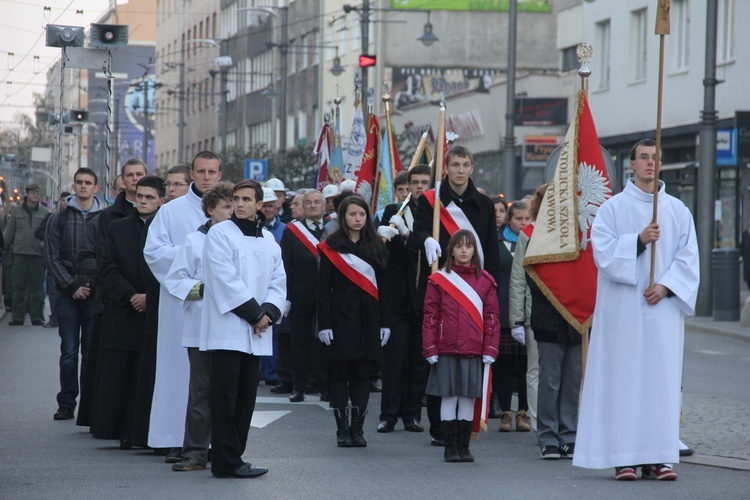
353	314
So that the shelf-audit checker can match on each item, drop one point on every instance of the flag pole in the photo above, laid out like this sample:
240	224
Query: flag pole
662	29
438	172
584	52
391	143
420	148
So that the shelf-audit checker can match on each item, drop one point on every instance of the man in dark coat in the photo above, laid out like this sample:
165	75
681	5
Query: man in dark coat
301	265
405	370
124	287
124	206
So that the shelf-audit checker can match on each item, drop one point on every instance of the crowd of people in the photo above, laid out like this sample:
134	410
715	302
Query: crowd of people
186	293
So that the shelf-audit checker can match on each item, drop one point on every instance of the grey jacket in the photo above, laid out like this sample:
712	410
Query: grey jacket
520	294
20	229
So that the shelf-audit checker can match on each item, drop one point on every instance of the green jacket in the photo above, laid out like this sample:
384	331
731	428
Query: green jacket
19	233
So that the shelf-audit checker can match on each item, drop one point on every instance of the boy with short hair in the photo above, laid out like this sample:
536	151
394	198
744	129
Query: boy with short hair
244	293
185	281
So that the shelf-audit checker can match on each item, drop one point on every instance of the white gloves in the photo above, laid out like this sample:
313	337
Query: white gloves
399	224
519	334
326	336
432	359
488	360
287	308
432	250
387	232
385	334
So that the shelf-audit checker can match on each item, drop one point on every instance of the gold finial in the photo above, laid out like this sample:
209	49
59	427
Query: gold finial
386	92
584	53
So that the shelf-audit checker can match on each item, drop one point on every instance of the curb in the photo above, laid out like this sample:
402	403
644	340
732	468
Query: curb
731	329
713	461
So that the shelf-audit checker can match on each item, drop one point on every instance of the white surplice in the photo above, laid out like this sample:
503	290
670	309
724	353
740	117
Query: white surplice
630	405
185	273
167	232
238	268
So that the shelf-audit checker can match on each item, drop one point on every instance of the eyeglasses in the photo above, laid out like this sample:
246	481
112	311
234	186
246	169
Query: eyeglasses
174	184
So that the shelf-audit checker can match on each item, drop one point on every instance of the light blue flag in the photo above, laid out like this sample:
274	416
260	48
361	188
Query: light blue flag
336	168
385	187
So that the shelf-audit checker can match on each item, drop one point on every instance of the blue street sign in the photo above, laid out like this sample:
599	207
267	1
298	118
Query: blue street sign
256	169
726	147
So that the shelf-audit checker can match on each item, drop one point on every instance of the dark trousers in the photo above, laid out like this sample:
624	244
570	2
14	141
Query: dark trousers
304	343
28	288
405	370
145	392
509	373
559	390
234	386
115	394
76	323
350	380
284	367
51	290
198	416
433	415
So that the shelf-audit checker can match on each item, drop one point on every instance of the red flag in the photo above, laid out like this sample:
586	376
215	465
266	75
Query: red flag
366	177
396	160
323	152
559	252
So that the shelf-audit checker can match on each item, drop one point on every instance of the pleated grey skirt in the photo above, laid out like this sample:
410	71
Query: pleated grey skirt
452	376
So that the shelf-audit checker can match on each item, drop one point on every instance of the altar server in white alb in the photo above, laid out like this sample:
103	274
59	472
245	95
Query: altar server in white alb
166	234
244	294
630	406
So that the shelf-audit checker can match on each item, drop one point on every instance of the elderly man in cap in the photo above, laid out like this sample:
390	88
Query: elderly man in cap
285	211
28	263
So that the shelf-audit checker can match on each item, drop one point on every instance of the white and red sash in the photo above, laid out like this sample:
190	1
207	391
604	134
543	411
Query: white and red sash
453	218
457	287
303	234
355	269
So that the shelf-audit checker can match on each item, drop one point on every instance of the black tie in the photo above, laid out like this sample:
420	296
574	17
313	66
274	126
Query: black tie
318	231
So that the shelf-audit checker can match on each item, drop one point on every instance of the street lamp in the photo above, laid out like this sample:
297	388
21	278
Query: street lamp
337	68
428	37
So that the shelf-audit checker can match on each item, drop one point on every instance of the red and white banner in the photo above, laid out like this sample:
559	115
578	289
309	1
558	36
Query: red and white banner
559	258
368	169
323	152
299	230
355	269
453	218
460	291
482	405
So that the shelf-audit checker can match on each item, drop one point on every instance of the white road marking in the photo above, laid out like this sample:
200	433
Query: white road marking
263	418
309	400
712	353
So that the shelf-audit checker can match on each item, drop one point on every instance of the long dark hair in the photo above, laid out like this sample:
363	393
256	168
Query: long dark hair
368	237
463	236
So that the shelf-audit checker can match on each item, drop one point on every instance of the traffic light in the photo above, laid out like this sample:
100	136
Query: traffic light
78	116
367	60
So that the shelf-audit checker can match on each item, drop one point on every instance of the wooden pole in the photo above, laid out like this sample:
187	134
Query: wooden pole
389	133
662	29
438	173
420	149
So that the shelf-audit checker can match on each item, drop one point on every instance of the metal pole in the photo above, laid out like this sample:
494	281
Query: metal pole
116	129
365	24
707	171
181	94
282	82
509	143
224	110
144	87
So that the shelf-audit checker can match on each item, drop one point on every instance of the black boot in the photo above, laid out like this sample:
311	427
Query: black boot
449	436
464	436
355	431
343	439
495	410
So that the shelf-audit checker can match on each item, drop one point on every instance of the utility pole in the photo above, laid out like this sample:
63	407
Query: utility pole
282	83
144	87
224	111
181	93
509	144
365	24
116	132
707	170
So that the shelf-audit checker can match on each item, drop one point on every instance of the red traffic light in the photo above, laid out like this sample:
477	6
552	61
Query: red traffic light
366	60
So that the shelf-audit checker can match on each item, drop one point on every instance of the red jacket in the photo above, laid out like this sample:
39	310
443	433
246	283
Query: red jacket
447	327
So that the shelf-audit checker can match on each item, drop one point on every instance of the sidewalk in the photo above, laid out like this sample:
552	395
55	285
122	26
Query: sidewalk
707	324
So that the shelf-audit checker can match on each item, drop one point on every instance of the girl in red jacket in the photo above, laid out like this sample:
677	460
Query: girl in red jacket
460	332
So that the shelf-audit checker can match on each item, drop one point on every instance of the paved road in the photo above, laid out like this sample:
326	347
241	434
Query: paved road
47	459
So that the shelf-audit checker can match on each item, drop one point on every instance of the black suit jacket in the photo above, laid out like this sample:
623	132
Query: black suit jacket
401	272
481	213
301	268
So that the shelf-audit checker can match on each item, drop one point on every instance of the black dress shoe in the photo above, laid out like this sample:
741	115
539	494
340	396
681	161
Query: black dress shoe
297	397
247	471
686	452
37	323
375	386
15	323
386	426
325	397
282	388
413	425
437	442
63	413
50	325
160	452
174	455
126	444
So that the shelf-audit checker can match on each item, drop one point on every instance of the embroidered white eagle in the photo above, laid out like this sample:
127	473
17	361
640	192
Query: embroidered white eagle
593	190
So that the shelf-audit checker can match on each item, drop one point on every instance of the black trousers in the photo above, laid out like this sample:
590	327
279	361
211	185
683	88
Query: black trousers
405	370
305	344
284	366
509	373
114	402
234	386
350	380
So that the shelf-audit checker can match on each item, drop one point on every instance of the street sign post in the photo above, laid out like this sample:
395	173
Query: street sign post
256	169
